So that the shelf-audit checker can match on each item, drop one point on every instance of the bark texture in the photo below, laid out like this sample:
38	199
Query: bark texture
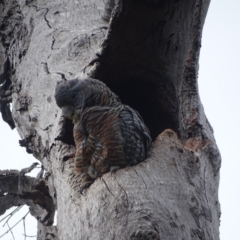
147	52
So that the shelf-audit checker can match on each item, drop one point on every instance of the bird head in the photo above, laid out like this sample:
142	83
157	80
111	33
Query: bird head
75	95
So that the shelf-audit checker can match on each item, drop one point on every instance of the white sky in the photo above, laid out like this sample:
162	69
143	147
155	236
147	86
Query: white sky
12	156
219	84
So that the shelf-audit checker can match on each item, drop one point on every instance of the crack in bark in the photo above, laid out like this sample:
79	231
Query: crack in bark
126	195
140	176
45	17
45	67
45	14
107	187
53	42
207	212
145	170
62	76
204	183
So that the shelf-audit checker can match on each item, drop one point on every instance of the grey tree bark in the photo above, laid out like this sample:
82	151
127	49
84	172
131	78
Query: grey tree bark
147	52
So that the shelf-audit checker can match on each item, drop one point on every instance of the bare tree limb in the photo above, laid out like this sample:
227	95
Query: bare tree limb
10	229
18	189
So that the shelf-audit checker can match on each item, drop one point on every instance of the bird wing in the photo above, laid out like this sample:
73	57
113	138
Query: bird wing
105	140
136	135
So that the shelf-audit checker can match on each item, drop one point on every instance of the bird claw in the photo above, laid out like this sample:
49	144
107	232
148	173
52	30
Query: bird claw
113	169
84	186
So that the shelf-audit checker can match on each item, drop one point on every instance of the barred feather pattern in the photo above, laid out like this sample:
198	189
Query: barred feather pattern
108	135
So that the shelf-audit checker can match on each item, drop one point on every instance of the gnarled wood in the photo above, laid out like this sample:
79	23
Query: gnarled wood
147	52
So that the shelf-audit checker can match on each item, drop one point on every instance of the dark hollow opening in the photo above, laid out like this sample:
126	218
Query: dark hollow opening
66	134
146	98
156	102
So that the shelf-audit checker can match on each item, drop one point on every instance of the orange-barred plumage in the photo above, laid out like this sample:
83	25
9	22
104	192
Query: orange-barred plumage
108	134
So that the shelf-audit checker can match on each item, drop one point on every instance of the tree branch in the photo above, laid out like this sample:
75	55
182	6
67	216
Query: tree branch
18	189
10	228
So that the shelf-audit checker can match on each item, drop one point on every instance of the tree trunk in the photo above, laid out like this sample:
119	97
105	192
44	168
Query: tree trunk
147	52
